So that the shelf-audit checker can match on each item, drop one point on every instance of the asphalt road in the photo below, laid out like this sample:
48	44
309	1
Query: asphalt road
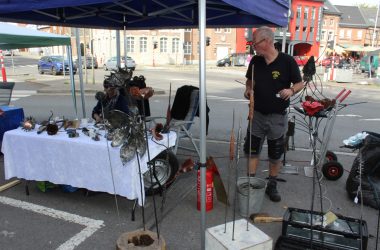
37	221
224	94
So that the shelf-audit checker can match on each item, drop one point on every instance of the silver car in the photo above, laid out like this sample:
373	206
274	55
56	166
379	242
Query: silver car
111	63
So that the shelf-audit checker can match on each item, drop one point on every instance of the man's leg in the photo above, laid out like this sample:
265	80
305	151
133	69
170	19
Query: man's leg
253	163
275	151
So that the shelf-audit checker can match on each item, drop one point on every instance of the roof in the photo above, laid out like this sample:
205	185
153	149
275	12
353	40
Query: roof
330	9
14	37
369	15
351	17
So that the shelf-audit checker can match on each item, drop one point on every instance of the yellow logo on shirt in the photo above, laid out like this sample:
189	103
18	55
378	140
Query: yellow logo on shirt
275	74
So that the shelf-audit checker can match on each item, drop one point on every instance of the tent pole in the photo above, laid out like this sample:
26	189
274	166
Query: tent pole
70	57
118	48
202	100
80	73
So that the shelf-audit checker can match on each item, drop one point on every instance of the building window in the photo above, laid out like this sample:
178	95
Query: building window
227	30
330	36
311	29
187	48
297	28
341	34
331	21
187	30
130	44
306	13
218	30
323	35
349	34
298	15
175	45
313	13
143	44
324	22
163	45
360	34
303	29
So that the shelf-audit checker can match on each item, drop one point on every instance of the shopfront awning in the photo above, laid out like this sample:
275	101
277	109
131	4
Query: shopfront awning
358	48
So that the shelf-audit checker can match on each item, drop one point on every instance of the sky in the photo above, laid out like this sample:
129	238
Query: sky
355	2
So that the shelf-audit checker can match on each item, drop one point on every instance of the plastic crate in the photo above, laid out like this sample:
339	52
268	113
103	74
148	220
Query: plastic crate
343	234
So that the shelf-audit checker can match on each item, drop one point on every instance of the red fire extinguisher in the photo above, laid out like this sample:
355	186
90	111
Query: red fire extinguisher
209	190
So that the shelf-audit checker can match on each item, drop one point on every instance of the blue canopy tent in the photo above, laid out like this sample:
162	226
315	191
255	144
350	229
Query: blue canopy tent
148	14
155	14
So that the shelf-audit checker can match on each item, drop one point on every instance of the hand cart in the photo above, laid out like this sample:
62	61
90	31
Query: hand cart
322	158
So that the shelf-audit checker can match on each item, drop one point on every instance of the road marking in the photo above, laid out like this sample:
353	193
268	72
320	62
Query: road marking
91	225
350	115
17	94
373	119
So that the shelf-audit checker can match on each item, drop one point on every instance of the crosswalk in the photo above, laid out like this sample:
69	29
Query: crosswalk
17	94
8	66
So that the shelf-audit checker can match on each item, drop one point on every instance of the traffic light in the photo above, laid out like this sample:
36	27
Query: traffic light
208	39
155	45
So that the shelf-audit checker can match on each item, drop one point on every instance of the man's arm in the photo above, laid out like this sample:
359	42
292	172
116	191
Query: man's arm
249	85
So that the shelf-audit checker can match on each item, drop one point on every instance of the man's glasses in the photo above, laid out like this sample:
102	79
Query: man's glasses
257	43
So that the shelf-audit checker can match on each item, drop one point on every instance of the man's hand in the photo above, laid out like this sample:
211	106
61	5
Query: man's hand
247	93
286	93
147	92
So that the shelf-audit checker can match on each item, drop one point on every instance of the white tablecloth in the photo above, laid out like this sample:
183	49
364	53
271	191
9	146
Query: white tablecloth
79	162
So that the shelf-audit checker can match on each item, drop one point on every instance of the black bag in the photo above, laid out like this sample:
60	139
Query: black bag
370	158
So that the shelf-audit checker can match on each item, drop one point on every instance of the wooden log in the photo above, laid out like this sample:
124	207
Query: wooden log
140	239
9	185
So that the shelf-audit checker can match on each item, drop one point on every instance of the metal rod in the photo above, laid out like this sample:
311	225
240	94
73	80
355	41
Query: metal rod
141	189
232	144
151	171
236	177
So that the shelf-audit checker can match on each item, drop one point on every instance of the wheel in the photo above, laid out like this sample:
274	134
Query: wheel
226	65
332	170
166	167
53	71
40	71
331	156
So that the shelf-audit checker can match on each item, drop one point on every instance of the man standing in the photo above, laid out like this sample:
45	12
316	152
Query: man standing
272	78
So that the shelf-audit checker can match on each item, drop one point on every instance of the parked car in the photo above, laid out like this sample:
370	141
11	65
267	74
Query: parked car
111	63
301	60
234	59
8	52
327	61
54	65
88	61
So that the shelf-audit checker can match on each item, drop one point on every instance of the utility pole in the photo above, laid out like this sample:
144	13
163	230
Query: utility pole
374	29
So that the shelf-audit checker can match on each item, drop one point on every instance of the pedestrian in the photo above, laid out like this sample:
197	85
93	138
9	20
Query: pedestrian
111	100
272	78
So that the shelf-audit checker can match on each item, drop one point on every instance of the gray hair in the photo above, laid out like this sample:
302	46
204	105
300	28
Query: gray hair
265	32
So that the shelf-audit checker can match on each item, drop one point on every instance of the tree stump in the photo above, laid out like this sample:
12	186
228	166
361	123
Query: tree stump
140	239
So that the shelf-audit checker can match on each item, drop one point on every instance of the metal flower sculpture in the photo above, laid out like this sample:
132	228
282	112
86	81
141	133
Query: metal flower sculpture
28	124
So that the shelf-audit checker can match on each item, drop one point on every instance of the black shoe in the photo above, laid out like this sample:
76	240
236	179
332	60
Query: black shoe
272	192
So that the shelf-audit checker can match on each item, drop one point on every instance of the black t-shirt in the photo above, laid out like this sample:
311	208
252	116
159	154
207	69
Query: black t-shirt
270	79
